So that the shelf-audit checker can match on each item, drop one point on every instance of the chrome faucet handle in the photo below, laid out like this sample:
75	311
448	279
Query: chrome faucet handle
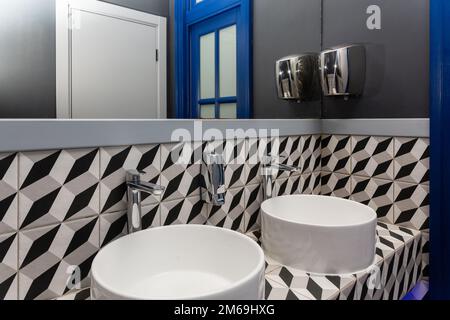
133	179
275	163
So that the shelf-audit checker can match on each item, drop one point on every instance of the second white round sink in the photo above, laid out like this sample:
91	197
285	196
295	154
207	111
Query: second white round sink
319	234
180	262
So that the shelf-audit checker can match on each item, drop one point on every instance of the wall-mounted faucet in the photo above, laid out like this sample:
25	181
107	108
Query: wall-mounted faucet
135	187
270	166
213	185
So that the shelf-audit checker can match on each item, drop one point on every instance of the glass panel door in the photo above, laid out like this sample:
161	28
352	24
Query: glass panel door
214	63
207	66
227	61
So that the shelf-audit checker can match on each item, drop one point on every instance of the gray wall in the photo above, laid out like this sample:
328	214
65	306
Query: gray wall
157	7
397	81
27	59
397	57
281	28
27	54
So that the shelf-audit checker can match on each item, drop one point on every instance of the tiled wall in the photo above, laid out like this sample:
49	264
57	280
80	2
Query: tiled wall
389	174
57	208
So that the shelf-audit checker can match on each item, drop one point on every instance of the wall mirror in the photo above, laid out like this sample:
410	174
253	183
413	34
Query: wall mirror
201	59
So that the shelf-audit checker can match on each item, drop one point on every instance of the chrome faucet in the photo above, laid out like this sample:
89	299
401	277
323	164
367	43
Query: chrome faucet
135	187
213	188
269	168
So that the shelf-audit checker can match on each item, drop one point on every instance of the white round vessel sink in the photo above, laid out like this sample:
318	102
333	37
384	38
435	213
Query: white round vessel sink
180	262
319	234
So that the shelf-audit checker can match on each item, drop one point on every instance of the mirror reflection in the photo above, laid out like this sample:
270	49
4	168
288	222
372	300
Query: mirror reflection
121	59
192	59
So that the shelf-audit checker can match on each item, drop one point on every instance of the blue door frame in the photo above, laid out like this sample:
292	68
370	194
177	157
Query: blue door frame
187	15
440	149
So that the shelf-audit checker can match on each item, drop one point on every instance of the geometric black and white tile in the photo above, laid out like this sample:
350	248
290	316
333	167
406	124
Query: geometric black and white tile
57	186
411	205
59	207
55	259
373	156
231	214
425	254
115	161
190	210
308	183
180	169
8	192
336	185
411	162
114	225
253	200
311	152
336	154
8	266
396	270
77	295
376	193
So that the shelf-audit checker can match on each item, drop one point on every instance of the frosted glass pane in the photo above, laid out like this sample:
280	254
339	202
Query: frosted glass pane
228	111
207	66
227	45
207	111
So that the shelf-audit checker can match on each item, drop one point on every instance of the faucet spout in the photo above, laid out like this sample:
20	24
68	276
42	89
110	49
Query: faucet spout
135	188
147	187
269	169
285	167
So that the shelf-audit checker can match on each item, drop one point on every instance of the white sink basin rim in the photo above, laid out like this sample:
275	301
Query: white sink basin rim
184	262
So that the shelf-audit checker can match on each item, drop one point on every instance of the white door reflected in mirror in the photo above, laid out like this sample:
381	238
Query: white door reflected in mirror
111	63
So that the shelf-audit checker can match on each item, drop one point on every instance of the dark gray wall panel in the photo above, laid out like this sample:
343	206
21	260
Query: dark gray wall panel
28	54
397	57
27	59
157	7
281	28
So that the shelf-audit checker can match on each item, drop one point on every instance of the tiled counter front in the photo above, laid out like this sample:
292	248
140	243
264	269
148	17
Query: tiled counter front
396	270
59	207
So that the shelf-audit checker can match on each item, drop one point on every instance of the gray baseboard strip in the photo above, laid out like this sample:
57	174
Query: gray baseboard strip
378	127
26	135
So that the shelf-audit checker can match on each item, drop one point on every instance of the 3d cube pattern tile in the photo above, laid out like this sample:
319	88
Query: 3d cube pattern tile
62	192
391	175
56	259
336	153
8	192
8	266
180	169
115	161
373	156
412	160
376	193
57	186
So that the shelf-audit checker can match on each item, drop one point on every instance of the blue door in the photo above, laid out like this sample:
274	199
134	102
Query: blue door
440	149
213	50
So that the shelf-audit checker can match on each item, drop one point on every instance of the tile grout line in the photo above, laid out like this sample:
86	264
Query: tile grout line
160	147
18	220
99	196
